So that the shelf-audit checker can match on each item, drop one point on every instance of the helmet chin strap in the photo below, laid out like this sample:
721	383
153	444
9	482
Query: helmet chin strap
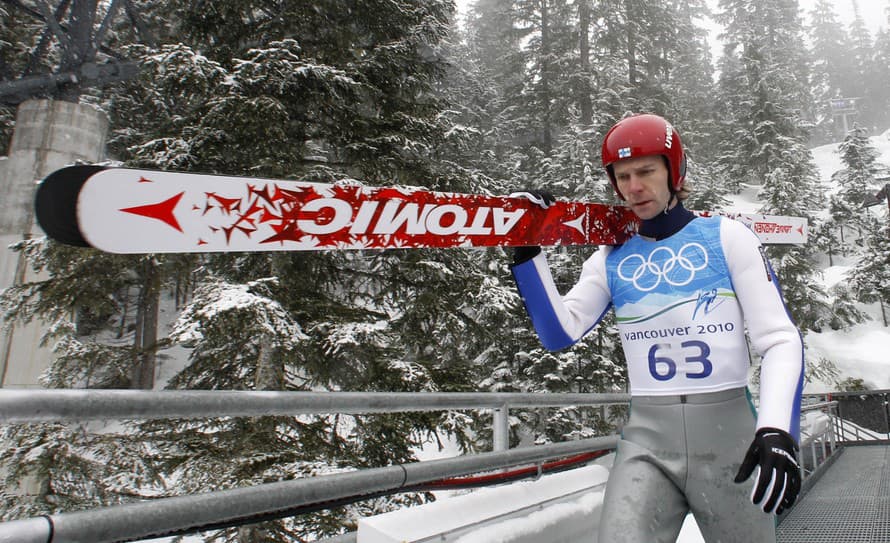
671	189
667	206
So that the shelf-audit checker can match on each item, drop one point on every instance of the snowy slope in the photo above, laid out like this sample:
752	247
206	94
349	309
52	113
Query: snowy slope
864	350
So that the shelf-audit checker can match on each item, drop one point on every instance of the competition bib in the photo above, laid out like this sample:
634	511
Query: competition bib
677	313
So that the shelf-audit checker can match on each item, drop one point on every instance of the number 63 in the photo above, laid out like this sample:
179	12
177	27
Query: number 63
668	366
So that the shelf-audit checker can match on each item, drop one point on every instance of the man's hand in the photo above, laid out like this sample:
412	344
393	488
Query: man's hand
542	198
774	452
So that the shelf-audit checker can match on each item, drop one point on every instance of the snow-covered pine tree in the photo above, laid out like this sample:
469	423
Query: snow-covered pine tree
494	41
492	325
689	84
871	276
548	83
856	184
571	170
765	97
53	467
242	338
844	311
691	81
860	62
876	91
353	98
103	311
731	104
550	57
832	72
467	93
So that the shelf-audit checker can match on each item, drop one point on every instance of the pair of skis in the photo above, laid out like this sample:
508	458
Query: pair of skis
122	210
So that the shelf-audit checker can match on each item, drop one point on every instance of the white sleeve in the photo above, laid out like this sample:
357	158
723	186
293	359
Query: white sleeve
773	334
562	321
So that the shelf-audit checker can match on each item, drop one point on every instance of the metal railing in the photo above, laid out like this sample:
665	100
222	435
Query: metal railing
821	441
865	414
849	432
28	405
187	514
818	442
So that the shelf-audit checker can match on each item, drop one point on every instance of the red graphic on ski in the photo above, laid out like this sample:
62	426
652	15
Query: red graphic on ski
162	211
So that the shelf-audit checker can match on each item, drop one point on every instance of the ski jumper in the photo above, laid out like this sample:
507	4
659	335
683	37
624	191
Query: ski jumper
682	299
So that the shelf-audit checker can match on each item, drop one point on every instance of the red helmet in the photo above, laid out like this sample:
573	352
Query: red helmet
645	135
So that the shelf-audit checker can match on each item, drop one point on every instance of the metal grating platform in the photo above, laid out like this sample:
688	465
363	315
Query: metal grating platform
850	503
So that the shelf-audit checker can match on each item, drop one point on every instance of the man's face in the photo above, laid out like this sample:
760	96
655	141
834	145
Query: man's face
644	183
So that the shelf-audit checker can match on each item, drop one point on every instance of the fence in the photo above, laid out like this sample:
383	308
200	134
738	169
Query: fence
826	428
823	426
861	416
187	514
818	440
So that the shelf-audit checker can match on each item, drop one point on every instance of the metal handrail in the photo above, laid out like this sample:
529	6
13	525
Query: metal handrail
857	433
839	425
831	405
826	440
28	405
187	514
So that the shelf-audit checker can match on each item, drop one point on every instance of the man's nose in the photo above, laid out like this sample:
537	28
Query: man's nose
634	184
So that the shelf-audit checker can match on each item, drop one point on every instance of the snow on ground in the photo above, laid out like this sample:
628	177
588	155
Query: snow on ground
828	159
533	522
862	351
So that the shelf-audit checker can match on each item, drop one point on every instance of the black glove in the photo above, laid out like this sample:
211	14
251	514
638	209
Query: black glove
775	452
544	199
541	197
525	253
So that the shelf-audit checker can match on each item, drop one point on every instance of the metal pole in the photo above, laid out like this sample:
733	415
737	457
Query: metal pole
886	396
813	450
187	514
832	428
80	405
501	428
832	436
33	530
48	135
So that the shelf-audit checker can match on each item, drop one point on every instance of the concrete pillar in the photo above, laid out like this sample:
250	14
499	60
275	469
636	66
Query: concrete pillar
48	135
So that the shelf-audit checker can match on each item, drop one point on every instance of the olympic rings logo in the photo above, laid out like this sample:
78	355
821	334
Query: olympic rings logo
676	269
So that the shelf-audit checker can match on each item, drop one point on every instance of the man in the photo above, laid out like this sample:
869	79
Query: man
683	290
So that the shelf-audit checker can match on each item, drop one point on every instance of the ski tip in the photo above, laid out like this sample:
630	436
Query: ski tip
55	204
